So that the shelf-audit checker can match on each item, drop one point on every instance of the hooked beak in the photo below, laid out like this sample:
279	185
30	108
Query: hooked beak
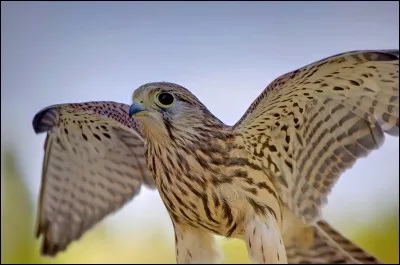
136	108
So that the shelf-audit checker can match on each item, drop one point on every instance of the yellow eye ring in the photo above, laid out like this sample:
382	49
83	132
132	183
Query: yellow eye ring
164	99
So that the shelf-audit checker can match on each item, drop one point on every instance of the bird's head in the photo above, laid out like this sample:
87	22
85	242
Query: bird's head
170	110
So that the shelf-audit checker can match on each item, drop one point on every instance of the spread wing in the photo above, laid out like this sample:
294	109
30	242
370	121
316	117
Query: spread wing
310	125
93	164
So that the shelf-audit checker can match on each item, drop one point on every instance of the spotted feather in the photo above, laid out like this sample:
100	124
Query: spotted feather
93	165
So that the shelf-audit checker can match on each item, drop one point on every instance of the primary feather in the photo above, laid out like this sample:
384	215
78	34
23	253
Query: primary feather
310	125
93	164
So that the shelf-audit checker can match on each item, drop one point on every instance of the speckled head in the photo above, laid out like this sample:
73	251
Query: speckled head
163	105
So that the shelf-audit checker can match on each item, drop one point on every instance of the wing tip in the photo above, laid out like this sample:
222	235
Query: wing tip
393	52
45	119
49	248
386	55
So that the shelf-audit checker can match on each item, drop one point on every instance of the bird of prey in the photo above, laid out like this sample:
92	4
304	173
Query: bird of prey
263	180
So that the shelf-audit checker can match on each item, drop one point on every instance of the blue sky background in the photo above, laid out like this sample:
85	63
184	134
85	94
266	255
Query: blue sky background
224	52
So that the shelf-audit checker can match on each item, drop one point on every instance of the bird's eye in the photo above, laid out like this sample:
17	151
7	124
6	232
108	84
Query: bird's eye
165	99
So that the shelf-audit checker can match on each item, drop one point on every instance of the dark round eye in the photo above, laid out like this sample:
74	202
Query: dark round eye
165	98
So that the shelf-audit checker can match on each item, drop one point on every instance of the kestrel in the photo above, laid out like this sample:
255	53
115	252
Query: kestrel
263	180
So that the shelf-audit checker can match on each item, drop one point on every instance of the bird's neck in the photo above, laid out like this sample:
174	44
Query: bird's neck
191	135
197	132
193	152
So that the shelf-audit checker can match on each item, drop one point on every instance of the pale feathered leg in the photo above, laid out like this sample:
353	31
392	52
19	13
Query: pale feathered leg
194	245
264	242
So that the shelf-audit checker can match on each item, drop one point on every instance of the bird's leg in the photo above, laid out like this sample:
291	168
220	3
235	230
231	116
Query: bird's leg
195	245
264	241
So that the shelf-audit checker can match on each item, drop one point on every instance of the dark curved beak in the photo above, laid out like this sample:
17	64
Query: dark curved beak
135	108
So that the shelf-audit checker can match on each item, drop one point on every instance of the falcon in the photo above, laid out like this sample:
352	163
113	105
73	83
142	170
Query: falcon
263	180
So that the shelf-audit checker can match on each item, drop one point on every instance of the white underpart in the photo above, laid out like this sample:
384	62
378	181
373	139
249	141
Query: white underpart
264	242
195	246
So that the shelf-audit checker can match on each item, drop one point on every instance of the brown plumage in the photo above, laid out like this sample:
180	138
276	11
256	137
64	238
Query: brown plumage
263	180
93	165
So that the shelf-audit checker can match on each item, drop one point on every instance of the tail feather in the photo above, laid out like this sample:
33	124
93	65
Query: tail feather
329	246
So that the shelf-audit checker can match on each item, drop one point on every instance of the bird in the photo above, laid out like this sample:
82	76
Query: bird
263	180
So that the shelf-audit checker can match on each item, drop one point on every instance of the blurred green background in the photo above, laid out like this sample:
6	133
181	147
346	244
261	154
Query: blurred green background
379	236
